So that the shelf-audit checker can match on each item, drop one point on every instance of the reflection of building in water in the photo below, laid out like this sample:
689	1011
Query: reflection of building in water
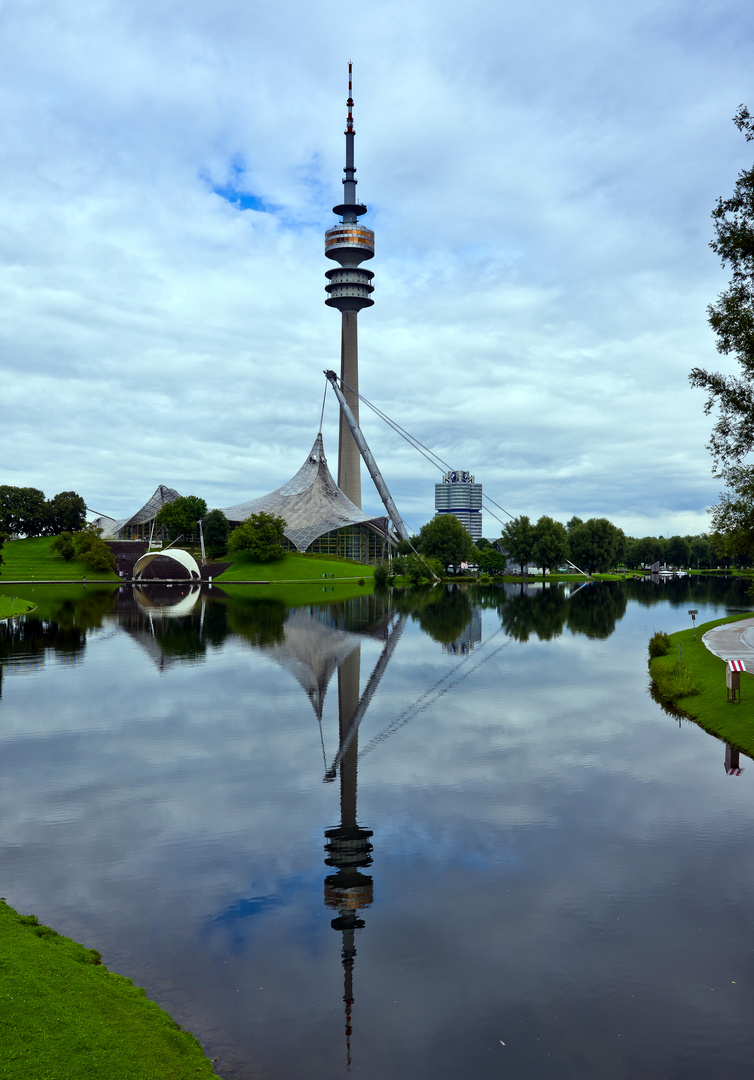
348	846
732	761
470	636
311	652
162	620
317	642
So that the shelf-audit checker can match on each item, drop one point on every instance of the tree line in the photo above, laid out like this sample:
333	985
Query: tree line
24	511
594	546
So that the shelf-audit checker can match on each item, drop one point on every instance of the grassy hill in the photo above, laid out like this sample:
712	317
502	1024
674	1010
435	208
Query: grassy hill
32	560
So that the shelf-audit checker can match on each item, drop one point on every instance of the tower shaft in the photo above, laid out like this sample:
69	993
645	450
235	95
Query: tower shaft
349	458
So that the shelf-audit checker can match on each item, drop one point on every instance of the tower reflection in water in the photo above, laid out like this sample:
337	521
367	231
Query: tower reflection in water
349	849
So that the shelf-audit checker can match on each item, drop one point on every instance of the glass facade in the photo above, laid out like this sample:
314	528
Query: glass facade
362	543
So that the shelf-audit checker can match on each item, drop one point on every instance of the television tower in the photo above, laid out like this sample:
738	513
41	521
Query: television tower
349	289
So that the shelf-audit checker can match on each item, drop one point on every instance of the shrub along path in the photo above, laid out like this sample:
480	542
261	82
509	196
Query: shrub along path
704	656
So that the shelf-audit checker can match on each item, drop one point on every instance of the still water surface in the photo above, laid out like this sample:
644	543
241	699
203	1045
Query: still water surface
544	876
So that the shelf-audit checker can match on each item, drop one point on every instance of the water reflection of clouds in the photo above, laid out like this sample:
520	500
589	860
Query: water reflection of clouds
529	838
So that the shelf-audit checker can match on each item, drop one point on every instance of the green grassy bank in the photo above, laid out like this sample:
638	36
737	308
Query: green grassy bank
14	605
709	707
295	568
32	560
64	1016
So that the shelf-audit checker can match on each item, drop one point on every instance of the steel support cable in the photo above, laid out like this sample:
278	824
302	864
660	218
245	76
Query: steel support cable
427	697
418	445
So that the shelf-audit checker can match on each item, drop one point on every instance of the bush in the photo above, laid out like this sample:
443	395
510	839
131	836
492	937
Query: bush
659	644
381	574
259	538
92	551
677	681
63	545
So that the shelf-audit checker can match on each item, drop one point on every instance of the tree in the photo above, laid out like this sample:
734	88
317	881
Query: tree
63	545
216	530
648	550
518	541
181	516
3	539
65	512
422	568
22	510
92	550
446	539
678	551
259	538
596	545
732	319
491	561
701	552
550	543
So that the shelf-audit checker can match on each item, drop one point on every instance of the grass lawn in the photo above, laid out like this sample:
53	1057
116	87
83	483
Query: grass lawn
66	1017
32	560
296	568
14	605
710	708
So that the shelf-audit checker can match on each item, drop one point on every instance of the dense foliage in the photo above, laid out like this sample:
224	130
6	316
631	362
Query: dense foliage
260	538
216	531
24	511
444	538
181	516
732	319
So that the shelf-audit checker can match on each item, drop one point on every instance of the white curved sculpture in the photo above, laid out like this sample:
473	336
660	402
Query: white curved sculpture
187	561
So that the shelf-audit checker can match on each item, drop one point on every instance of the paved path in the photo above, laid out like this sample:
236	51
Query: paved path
733	641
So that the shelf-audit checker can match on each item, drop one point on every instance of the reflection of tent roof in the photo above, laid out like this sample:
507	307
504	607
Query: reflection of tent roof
177	610
184	558
149	510
311	503
311	652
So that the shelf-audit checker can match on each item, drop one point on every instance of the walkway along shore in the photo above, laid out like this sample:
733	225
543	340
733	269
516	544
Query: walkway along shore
733	641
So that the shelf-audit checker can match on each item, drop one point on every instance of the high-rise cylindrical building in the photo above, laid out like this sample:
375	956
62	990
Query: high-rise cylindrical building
349	289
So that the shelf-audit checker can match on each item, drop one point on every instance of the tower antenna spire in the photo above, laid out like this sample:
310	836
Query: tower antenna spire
349	289
349	103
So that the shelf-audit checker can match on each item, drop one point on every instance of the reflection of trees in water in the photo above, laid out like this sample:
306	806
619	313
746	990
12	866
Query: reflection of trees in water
542	613
443	612
592	610
697	588
87	611
595	610
28	638
260	622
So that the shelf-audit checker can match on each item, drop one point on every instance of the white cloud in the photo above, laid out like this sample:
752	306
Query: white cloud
540	183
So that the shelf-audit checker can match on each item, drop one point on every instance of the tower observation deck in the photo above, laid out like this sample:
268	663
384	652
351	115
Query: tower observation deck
349	289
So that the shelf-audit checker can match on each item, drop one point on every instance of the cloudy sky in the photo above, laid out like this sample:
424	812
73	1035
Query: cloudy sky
540	182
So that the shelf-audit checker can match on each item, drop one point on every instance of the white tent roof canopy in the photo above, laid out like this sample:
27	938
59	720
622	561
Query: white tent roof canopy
186	560
311	503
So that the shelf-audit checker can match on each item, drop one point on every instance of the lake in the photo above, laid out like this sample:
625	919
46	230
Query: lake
438	833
